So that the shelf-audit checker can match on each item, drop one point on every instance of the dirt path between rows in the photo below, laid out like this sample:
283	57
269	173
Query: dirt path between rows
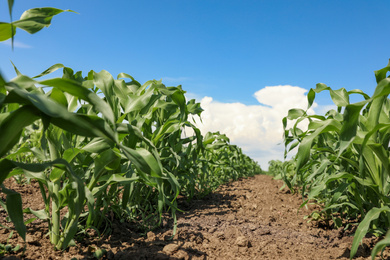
247	219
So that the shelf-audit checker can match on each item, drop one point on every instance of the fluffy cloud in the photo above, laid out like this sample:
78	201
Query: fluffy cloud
257	129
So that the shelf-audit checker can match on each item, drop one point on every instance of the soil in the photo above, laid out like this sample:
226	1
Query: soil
246	219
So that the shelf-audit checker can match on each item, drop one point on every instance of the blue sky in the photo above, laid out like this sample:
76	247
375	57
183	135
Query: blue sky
221	49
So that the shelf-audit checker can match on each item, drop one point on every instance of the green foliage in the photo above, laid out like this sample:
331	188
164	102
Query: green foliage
8	248
116	147
380	246
275	167
31	21
14	211
281	170
343	159
101	147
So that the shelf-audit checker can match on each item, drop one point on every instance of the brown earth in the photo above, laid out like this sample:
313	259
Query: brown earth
247	219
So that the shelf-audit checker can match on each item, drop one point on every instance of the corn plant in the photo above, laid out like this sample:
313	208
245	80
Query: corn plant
343	157
31	21
282	171
8	248
97	139
101	147
11	125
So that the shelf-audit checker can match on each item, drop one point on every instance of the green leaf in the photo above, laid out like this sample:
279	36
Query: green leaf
321	87
381	74
15	211
110	179
81	124
350	122
22	81
381	158
105	82
381	92
6	167
194	108
76	204
58	96
143	160
84	125
208	138
10	6
362	229
7	31
41	214
305	146
380	245
179	98
68	155
99	253
76	89
295	113
169	127
107	160
310	98
340	97
16	69
12	126
97	145
50	70
34	20
124	75
358	91
138	102
152	162
2	88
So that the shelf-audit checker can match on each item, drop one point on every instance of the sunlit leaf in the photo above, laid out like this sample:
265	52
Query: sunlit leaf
34	20
7	31
363	227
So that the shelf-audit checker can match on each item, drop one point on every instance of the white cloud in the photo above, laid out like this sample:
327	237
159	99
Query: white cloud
257	129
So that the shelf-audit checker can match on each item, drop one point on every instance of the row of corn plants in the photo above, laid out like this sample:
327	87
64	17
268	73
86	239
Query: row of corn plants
281	170
101	147
343	159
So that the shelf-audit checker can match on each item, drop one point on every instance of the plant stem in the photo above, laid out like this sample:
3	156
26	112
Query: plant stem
55	233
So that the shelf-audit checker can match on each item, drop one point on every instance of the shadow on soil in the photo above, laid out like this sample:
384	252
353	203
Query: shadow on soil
126	241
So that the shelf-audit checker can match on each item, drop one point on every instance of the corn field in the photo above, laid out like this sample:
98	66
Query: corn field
343	160
103	147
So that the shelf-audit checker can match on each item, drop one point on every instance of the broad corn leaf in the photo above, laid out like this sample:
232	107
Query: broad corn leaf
340	97
12	126
76	89
380	245
6	167
381	74
50	70
7	31
143	160
304	149
97	145
310	98
295	113
15	210
363	227
350	122
10	6
34	20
